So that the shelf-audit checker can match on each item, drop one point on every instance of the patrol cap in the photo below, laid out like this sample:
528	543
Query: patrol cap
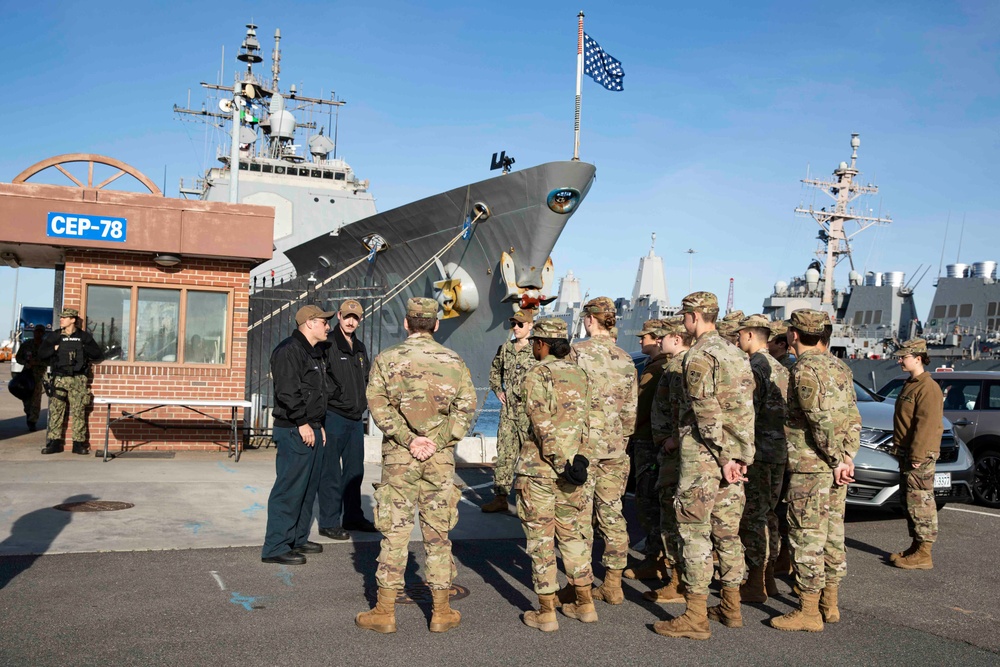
599	306
550	327
778	329
352	307
699	302
522	316
753	322
726	327
736	316
306	313
421	306
69	312
809	321
914	346
672	326
651	327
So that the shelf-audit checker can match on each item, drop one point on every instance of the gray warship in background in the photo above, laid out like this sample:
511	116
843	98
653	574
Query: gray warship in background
482	250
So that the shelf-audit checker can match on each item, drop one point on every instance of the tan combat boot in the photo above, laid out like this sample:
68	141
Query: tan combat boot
692	624
583	608
918	560
383	617
611	590
828	604
672	592
728	611
443	617
545	618
908	551
650	568
754	590
770	585
806	617
498	504
566	595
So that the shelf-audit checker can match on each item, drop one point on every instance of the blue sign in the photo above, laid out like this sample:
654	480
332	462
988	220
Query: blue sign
89	227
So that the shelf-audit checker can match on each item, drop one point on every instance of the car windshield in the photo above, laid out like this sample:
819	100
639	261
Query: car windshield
863	395
891	388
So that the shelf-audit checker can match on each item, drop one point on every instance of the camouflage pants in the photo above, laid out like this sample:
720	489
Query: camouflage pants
816	530
606	481
33	406
647	500
708	515
917	482
668	476
71	391
509	440
428	487
553	511
759	526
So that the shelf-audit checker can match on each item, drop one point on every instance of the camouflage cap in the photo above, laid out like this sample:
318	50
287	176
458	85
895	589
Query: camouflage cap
651	327
699	302
421	306
753	322
913	346
736	316
522	316
352	307
809	321
599	306
672	326
778	329
69	312
550	327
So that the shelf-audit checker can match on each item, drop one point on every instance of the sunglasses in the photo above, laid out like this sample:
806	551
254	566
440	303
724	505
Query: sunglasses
520	324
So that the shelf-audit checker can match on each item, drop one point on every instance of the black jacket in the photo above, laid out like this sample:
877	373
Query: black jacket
349	368
75	354
301	382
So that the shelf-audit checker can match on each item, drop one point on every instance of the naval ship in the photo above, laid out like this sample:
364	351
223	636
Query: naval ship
481	250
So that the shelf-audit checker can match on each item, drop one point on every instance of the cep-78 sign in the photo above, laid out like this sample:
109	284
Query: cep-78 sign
89	227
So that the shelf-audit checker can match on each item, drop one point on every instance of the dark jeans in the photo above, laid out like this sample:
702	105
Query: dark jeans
343	471
290	505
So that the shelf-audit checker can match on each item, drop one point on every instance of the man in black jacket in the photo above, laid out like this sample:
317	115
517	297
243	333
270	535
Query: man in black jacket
301	391
343	461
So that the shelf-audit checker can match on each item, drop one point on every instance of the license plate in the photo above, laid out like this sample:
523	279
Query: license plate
942	480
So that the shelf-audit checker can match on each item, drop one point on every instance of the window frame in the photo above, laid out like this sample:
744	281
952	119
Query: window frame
134	288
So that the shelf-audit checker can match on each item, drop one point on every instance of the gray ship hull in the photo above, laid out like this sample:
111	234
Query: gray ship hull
521	224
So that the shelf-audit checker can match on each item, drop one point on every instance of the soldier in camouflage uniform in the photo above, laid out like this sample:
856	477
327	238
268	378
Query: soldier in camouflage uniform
675	342
27	356
916	439
69	352
512	361
552	497
759	527
777	344
716	430
644	455
613	388
727	325
421	396
823	432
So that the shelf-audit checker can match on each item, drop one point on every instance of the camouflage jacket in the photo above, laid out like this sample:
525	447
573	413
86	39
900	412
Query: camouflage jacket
770	408
614	393
787	360
420	388
823	419
556	398
718	408
507	374
649	379
667	401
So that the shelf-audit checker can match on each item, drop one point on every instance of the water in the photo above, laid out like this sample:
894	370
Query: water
489	416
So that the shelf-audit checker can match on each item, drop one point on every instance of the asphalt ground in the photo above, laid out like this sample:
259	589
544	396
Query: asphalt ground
159	583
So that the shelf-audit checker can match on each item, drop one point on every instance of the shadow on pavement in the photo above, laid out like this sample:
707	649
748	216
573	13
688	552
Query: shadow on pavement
39	529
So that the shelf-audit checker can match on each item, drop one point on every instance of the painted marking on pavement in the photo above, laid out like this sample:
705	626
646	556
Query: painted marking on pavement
251	489
285	575
193	526
253	510
248	602
218	579
480	486
225	467
959	509
468	502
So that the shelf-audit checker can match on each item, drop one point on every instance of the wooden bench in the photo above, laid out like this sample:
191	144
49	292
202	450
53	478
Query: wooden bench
188	404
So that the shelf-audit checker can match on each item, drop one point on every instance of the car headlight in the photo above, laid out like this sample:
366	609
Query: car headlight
874	438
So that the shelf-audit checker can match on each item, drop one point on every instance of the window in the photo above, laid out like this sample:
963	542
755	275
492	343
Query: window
158	324
991	309
858	317
960	395
868	317
952	310
339	176
877	318
939	312
965	310
992	396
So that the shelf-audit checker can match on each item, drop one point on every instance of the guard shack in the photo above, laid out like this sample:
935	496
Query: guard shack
162	284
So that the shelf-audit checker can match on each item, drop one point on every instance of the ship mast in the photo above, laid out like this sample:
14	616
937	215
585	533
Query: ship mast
835	242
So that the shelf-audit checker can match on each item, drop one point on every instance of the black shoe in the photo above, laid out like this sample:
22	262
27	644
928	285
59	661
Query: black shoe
81	448
52	447
308	548
335	533
289	558
362	525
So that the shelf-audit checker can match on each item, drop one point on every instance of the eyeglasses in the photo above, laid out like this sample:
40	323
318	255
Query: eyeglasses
518	325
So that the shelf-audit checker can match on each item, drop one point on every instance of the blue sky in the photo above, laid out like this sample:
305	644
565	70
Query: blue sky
726	106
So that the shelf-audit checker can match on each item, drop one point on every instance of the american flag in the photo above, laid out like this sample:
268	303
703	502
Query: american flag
600	66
